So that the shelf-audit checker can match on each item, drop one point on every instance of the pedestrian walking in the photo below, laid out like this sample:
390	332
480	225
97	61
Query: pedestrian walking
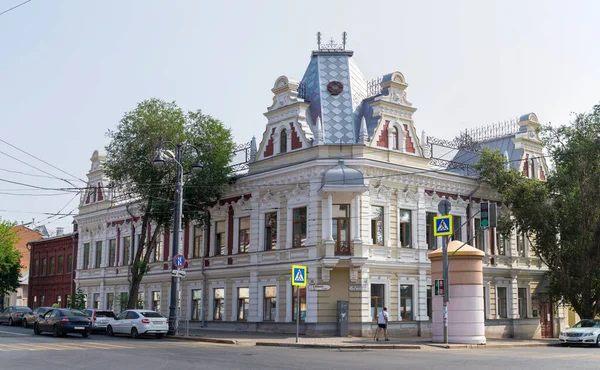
382	322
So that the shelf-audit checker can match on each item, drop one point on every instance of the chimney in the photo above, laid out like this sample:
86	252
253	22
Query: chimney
60	231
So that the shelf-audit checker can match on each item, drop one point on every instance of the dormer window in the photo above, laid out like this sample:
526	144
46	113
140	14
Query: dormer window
283	141
395	138
93	195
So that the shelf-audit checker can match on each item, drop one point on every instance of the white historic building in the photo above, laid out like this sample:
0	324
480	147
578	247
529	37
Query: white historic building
340	182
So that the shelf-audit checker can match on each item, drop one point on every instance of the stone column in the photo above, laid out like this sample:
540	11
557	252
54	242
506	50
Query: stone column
513	312
357	236
466	322
329	216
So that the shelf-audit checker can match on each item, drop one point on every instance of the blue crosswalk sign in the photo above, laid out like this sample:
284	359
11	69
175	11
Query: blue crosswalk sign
299	275
443	225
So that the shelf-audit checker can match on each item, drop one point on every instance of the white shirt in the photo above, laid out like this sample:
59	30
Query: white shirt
382	317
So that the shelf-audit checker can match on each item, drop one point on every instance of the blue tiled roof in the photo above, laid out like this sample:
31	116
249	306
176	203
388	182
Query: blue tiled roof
503	144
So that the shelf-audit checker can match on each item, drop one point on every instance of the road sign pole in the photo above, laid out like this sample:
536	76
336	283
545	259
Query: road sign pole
446	285
297	312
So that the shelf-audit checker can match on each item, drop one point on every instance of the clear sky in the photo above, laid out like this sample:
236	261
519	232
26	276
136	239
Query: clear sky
69	69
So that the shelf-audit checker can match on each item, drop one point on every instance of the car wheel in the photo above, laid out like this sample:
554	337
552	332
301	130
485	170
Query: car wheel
109	331
159	336
10	322
134	333
55	331
564	344
598	341
85	334
24	323
36	329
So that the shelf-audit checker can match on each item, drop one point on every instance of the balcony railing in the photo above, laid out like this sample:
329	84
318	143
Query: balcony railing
344	248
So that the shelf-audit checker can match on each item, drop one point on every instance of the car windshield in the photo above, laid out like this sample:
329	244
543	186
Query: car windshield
23	309
151	314
72	313
587	324
105	314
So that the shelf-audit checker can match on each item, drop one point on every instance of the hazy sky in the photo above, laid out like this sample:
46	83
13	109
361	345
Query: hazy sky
70	69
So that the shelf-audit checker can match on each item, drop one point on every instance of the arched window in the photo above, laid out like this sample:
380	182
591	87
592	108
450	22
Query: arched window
283	141
395	138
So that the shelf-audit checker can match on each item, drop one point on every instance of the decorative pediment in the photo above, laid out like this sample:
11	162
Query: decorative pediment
269	200
297	194
241	205
218	210
407	196
381	192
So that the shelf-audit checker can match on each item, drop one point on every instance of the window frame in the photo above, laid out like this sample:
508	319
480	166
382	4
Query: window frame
383	299
98	261
243	304
195	315
220	241
86	256
457	223
60	268
52	266
218	302
402	302
430	238
283	141
44	266
158	254
198	241
269	229
302	302
112	252
271	300
376	221
499	305
299	223
127	250
244	243
405	225
395	138
526	301
156	300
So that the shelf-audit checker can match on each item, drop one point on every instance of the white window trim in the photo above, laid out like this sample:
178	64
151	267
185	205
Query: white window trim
261	228
462	213
415	298
211	299
234	298
151	298
509	314
277	141
413	225
214	236
386	221
236	230
437	238
382	280
401	136
189	300
290	222
261	298
527	299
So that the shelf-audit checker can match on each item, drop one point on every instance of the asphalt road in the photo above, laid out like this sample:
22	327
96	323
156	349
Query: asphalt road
20	349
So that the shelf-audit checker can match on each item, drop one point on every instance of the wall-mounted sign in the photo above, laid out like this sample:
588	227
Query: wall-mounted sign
319	287
358	288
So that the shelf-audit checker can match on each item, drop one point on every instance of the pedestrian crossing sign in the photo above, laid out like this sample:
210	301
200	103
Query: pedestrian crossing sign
299	276
443	225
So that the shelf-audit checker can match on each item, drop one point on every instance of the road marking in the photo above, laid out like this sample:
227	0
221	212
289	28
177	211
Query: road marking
95	345
10	332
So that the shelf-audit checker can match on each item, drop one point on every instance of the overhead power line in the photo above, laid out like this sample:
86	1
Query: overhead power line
15	7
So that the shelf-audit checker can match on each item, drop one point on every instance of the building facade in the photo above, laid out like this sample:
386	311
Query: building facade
339	182
51	277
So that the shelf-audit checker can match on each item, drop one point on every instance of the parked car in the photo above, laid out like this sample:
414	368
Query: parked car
30	317
100	318
139	322
13	315
584	332
60	321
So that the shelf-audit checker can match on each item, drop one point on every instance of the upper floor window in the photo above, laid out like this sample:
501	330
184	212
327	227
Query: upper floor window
126	250
478	237
521	244
43	267
431	239
197	242
37	267
98	254
61	264
112	252
395	138
405	226
299	232
457	226
219	238
69	263
52	265
377	225
502	241
86	255
283	141
270	230
158	249
244	237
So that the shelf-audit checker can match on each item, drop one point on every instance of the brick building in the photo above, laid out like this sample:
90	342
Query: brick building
51	276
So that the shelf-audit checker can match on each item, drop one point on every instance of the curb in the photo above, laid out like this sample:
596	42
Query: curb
484	346
338	346
207	340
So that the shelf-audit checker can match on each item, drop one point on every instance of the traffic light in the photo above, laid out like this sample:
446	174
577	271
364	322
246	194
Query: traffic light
439	287
488	214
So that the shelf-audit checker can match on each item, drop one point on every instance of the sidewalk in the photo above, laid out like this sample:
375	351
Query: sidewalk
289	340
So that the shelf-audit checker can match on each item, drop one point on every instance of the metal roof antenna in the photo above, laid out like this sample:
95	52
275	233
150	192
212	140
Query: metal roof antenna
319	40
344	34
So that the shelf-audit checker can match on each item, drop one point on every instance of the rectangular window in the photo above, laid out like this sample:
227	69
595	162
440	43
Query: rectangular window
61	265
197	252
269	303
158	250
156	301
270	231
43	267
299	226
112	252
37	267
523	303
141	301
196	304
405	226
502	304
52	264
377	299
406	301
86	256
431	239
243	304
110	301
429	302
244	236
98	254
478	237
220	238
502	242
457	226
377	225
70	263
521	244
218	303
126	250
341	229
302	303
123	297
96	300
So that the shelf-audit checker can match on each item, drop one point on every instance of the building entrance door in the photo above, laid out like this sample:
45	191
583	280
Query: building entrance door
546	320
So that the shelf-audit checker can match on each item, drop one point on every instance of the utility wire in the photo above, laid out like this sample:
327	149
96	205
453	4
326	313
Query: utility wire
27	174
15	7
34	167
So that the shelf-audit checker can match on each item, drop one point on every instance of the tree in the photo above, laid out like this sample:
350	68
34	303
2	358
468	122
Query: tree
10	259
561	216
148	189
77	300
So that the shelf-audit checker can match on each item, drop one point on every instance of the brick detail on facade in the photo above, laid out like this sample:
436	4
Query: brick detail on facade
270	145
526	166
296	143
409	146
25	235
542	174
383	138
100	194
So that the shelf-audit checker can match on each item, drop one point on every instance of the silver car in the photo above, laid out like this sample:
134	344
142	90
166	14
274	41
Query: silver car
584	332
100	318
139	322
31	317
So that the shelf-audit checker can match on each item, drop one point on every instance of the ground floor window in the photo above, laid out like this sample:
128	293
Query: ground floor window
141	301
302	303
377	299
406	301
429	302
243	303
523	303
218	303
123	298
269	303
155	301
196	304
96	300
502	309
110	299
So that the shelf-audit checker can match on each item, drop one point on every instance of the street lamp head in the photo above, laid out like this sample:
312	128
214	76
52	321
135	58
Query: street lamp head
197	166
158	161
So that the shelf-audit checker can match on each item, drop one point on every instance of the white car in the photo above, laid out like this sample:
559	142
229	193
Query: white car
139	322
584	332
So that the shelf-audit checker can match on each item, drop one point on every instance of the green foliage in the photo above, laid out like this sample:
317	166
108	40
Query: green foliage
10	259
77	300
562	215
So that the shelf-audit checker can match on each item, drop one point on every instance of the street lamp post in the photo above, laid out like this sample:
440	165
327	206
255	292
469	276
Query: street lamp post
173	319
